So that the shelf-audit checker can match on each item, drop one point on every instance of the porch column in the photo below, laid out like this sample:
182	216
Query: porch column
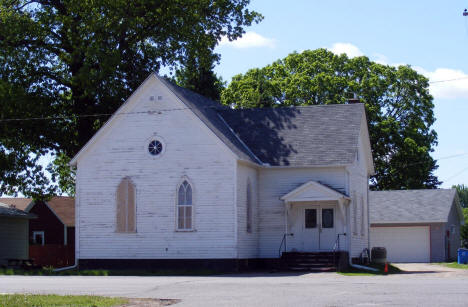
341	206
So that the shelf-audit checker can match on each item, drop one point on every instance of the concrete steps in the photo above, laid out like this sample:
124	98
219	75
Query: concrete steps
315	262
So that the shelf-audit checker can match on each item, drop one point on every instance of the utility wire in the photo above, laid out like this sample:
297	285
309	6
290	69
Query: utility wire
97	115
457	174
152	112
448	80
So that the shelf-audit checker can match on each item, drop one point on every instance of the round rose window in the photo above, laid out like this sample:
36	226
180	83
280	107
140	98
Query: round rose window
155	147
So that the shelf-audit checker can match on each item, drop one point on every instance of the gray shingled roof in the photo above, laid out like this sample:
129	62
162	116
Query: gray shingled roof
410	206
299	136
8	211
288	136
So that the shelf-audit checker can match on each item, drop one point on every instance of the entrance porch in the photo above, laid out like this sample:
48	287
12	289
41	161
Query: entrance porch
315	219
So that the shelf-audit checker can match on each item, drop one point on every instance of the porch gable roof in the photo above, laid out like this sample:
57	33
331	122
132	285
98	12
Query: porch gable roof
313	191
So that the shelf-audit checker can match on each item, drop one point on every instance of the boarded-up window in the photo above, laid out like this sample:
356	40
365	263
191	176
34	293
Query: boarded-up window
184	206
249	206
126	206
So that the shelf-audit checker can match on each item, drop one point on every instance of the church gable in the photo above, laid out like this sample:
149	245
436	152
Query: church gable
153	113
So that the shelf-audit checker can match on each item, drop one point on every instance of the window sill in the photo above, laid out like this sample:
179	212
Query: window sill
185	230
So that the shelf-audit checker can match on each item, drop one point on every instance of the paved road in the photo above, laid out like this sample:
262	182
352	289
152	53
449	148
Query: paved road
429	285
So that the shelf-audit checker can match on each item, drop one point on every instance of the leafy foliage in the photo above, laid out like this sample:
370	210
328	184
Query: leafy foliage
397	100
462	191
464	229
197	75
74	62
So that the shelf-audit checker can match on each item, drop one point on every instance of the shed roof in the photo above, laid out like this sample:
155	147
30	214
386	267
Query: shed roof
20	203
62	206
411	206
9	211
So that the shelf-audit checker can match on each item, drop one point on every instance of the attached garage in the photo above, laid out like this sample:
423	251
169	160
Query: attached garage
416	225
404	244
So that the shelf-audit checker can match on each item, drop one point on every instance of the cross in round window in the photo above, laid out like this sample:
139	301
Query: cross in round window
155	147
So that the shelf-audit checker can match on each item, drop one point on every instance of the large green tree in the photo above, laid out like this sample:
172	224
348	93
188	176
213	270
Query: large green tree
197	74
74	62
397	100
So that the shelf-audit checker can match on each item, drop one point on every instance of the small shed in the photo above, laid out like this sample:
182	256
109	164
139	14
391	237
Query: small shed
14	228
416	225
52	233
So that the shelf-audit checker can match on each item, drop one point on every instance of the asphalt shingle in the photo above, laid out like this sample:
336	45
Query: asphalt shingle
299	136
8	211
316	135
410	206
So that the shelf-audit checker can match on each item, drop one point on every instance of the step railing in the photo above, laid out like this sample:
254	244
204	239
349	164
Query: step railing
336	246
283	241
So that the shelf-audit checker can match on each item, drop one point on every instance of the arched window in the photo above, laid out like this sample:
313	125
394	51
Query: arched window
249	206
126	206
184	206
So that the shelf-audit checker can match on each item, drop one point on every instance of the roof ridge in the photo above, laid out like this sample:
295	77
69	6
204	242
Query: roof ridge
413	190
292	107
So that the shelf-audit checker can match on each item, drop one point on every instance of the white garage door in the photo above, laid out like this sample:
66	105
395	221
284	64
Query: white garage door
404	244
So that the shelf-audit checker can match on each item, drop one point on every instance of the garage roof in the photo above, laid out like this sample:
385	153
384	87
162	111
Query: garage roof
411	206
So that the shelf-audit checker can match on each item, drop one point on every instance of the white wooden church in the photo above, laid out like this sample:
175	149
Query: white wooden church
176	179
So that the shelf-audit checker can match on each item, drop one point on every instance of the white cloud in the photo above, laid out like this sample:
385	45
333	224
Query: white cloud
454	82
249	40
446	83
349	49
380	58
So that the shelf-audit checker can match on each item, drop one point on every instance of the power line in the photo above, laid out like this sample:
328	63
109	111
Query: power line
97	115
448	80
457	174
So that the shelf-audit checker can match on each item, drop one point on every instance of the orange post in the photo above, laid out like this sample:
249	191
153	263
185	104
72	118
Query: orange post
386	267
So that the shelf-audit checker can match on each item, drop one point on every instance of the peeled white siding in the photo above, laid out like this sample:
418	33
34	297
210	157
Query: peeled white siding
247	242
358	186
274	183
189	150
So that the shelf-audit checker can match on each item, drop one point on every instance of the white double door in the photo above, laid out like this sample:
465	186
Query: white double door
316	227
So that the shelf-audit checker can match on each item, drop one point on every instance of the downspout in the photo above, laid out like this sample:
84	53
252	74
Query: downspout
368	217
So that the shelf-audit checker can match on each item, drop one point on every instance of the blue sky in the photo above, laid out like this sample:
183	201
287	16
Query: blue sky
431	36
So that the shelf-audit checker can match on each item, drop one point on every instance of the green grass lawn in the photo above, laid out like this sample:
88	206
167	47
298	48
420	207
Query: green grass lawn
26	300
358	272
454	265
50	272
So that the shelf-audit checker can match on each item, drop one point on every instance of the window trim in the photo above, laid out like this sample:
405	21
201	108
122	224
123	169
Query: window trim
39	232
154	137
176	203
